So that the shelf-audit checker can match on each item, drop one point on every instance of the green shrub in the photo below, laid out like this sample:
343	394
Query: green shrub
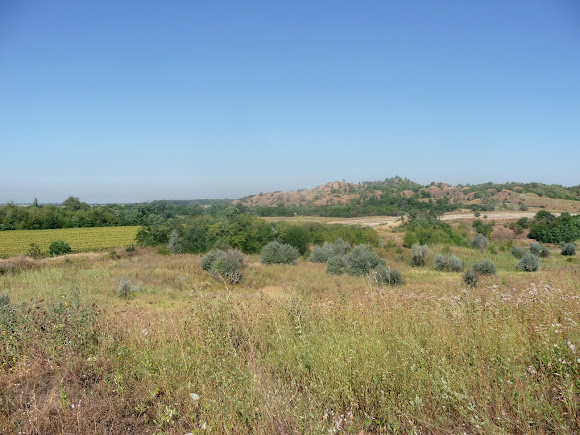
479	242
59	247
455	264
420	253
228	266
279	253
471	278
126	289
528	263
386	276
163	250
130	248
208	259
568	248
361	260
517	252
485	267
336	265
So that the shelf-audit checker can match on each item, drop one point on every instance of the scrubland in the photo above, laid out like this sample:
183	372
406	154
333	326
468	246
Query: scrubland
291	349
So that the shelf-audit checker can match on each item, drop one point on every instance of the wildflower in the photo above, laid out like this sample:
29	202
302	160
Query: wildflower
194	397
572	347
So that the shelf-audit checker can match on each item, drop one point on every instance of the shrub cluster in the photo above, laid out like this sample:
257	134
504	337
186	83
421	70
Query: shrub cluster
449	264
279	253
226	265
321	254
420	253
126	289
485	267
568	248
174	245
528	263
471	278
387	276
336	265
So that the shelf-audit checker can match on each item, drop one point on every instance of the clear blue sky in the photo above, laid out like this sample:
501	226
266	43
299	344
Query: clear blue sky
121	101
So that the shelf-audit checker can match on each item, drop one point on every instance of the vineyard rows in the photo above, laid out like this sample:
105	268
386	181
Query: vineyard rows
80	239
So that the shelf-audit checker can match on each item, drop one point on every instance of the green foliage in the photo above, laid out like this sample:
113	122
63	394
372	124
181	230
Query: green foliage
420	253
479	242
528	263
471	278
482	228
336	265
59	247
429	231
126	289
568	249
279	253
485	267
387	276
517	252
548	228
361	260
208	259
130	248
449	264
297	236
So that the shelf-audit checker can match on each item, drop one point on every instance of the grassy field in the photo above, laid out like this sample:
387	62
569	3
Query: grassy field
290	350
80	239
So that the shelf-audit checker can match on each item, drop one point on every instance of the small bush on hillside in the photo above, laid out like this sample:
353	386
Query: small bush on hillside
568	248
228	266
174	245
479	242
126	289
420	253
535	248
485	267
471	278
517	252
279	253
59	247
386	276
130	248
361	260
336	265
528	263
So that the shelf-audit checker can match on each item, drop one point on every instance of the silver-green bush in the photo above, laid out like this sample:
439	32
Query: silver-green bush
568	248
228	266
279	253
479	242
485	267
336	265
420	253
387	276
528	263
361	260
517	252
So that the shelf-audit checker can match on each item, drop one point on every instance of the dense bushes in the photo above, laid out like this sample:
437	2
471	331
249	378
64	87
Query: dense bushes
548	228
449	264
471	278
528	263
430	231
539	250
225	265
336	265
482	228
279	253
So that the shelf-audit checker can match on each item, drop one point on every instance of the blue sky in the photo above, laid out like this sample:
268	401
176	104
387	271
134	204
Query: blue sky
133	101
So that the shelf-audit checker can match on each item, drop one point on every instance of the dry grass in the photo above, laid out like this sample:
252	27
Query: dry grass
293	349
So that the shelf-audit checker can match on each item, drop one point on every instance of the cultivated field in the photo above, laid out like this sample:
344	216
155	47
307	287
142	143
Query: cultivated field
289	350
80	239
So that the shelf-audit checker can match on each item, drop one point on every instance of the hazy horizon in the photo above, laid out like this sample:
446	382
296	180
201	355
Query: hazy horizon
130	101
